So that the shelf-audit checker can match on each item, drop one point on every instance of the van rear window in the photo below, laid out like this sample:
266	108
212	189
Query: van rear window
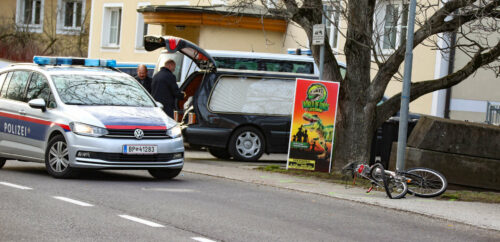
266	96
265	65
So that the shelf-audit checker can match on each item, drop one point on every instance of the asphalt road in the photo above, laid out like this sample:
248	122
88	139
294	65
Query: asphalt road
131	206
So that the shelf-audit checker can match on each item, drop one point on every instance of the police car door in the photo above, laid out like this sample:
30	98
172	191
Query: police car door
38	88
16	128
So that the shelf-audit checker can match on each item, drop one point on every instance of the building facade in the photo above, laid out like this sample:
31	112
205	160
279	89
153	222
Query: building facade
117	28
44	27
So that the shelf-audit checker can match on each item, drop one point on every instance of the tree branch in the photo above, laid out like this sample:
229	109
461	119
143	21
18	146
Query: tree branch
434	25
391	106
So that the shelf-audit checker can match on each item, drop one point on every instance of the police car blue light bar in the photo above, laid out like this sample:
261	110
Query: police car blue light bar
46	60
299	51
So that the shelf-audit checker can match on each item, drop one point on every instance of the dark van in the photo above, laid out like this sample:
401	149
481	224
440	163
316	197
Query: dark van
234	113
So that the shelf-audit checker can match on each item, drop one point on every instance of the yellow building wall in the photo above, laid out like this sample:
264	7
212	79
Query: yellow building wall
218	38
8	12
49	42
127	51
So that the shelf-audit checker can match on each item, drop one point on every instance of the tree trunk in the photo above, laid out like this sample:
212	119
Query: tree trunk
355	122
353	135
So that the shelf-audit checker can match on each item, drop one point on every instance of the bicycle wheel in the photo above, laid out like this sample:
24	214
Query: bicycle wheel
425	182
377	173
396	187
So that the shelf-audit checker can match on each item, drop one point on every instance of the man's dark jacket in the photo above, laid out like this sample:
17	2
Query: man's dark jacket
164	89
146	83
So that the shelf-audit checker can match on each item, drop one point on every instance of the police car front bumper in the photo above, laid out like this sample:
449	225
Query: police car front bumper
107	153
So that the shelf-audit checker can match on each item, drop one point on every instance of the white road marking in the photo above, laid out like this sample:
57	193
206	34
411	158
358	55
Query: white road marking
142	221
201	239
83	204
16	186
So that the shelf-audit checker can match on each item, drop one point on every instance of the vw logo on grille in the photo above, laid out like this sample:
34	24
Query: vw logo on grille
138	133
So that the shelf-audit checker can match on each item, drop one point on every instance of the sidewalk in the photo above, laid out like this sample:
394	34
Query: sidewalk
478	214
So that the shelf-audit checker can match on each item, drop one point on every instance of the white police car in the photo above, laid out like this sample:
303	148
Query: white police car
76	113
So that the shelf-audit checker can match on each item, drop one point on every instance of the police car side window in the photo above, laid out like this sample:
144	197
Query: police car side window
5	83
2	78
38	88
17	85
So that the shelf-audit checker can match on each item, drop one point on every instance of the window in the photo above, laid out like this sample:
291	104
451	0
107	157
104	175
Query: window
38	88
88	89
111	26
391	24
71	14
253	95
2	78
332	24
29	15
142	29
264	65
5	84
17	85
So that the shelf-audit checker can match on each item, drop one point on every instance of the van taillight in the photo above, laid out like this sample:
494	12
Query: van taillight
177	116
192	118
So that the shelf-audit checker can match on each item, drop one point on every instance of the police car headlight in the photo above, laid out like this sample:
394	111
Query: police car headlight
89	130
174	132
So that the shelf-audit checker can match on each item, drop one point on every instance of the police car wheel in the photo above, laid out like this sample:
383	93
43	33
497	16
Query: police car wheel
164	173
246	144
57	158
2	162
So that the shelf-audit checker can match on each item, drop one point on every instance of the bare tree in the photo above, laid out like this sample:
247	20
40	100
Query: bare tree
473	22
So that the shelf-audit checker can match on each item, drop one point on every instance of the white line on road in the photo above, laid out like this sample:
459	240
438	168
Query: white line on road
84	204
15	186
201	239
142	221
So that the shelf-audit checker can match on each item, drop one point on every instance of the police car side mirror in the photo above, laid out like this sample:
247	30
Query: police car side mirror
159	104
38	103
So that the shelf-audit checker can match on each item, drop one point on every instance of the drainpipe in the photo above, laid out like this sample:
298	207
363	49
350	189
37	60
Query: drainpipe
451	65
441	69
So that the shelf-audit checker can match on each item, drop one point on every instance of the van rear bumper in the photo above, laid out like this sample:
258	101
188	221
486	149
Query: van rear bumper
203	136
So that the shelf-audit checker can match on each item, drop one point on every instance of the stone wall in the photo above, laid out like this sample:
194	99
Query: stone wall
465	153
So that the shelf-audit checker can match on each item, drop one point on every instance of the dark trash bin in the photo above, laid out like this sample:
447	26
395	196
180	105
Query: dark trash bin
384	136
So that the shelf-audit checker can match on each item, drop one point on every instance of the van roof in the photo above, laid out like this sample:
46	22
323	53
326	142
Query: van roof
260	55
271	73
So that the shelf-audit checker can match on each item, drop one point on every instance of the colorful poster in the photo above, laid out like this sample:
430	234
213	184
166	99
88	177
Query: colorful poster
313	125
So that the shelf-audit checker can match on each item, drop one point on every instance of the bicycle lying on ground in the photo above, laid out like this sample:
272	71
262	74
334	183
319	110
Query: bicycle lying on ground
420	181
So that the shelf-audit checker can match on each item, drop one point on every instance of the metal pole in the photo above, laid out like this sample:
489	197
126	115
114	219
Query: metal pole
322	48
405	95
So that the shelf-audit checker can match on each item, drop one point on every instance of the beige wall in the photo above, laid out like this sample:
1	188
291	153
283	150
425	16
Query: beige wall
50	42
127	51
208	37
424	61
8	8
469	98
218	38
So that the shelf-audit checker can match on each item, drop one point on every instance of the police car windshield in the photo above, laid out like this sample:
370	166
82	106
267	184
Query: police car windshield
110	90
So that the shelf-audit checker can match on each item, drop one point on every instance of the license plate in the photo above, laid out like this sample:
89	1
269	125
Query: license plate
140	149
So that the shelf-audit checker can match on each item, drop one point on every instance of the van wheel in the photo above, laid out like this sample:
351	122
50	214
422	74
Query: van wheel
164	173
2	162
57	158
220	153
247	144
